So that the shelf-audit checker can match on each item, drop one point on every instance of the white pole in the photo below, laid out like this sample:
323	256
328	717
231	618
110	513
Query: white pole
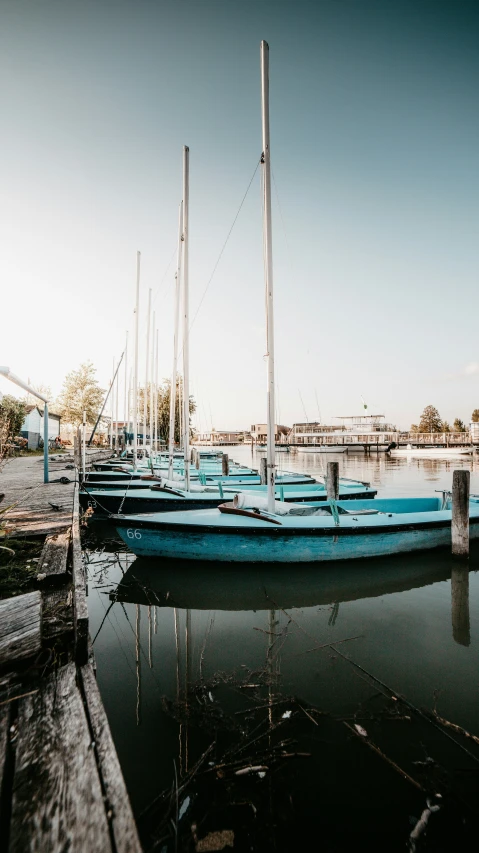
268	270
152	379
145	393
126	402
186	319
171	441
112	406
83	446
116	408
135	377
156	394
128	415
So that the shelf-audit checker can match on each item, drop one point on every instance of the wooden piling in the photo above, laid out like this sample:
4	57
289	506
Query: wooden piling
197	460
263	471
333	481
460	513
225	465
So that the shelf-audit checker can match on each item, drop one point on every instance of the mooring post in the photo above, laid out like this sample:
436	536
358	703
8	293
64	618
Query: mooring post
197	460
45	444
225	465
83	445
460	513
333	481
263	471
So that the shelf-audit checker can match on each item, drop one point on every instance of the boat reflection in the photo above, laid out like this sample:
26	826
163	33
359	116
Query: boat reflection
213	586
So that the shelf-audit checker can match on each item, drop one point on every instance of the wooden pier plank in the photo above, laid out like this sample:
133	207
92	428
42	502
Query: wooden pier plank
57	802
20	627
122	820
80	607
53	559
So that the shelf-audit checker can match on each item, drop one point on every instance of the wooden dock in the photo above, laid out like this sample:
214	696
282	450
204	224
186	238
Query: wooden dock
61	785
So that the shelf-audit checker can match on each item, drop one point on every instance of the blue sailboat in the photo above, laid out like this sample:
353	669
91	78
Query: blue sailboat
155	498
337	531
256	529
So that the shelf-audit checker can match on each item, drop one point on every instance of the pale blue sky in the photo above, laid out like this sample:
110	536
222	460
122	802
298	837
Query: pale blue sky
374	151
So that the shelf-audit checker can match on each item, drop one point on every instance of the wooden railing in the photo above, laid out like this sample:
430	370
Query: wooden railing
447	438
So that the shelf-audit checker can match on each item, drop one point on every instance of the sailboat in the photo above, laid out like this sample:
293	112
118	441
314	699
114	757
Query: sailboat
256	529
143	496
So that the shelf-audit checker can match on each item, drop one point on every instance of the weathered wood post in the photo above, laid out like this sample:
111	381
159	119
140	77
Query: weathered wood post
225	465
263	473
197	460
77	448
461	631
460	513
333	481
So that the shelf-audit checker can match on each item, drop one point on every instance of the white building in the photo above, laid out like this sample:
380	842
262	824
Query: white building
32	427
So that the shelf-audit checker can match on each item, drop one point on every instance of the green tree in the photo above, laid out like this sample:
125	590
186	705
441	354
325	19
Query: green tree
80	393
12	415
414	428
164	409
430	420
458	425
446	427
475	416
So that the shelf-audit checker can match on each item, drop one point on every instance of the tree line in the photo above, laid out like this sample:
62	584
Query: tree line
431	421
81	392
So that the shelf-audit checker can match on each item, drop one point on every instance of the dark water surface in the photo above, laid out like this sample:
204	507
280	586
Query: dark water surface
321	677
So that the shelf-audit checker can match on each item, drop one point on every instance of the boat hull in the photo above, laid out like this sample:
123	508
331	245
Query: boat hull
279	548
432	452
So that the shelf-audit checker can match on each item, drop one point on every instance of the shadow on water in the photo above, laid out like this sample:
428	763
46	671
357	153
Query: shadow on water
267	709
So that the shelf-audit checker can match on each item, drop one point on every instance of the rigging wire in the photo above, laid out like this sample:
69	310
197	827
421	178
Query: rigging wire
164	277
224	245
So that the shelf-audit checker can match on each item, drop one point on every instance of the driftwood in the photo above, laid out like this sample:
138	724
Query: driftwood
57	802
117	803
20	627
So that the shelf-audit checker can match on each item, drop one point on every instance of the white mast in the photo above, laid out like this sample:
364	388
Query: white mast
128	414
152	378
135	376
126	403
156	397
145	393
116	409
171	440
268	270
112	422
186	331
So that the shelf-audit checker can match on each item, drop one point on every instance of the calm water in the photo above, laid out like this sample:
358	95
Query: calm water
236	665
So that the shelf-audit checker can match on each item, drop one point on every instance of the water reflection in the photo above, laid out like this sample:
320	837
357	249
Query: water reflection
213	586
207	671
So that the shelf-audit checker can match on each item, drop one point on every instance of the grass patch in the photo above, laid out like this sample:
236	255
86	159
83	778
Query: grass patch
18	571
